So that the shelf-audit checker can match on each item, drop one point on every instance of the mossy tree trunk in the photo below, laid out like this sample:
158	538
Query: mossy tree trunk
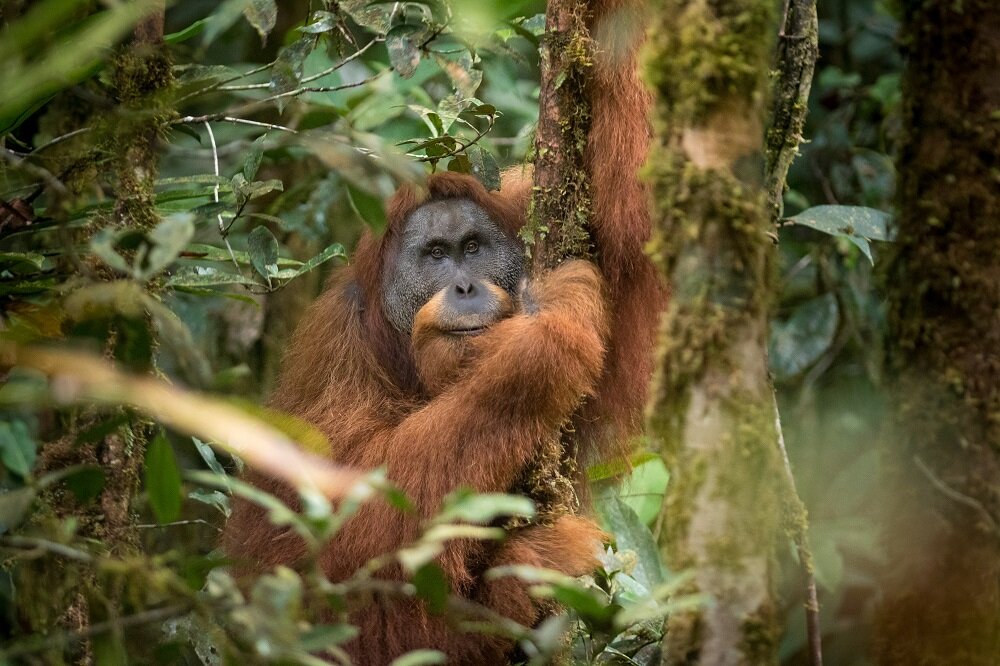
942	586
712	409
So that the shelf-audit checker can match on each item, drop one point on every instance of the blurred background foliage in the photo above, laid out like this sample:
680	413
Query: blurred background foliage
239	222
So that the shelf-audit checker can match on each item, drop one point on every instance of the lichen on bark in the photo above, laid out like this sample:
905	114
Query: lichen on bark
711	408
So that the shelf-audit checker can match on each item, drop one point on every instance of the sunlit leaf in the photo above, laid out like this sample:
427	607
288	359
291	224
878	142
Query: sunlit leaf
485	507
420	658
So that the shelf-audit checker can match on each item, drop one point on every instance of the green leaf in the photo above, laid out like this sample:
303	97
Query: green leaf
31	258
262	15
187	33
14	504
206	276
368	207
484	507
432	587
403	52
287	70
207	454
163	480
460	163
857	224
631	534
103	245
262	247
335	250
644	488
798	342
320	22
485	167
169	239
17	448
322	637
222	19
420	658
252	161
85	483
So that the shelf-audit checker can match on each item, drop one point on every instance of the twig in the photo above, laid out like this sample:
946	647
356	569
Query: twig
44	545
320	89
462	147
215	195
953	494
800	536
798	48
329	70
213	117
68	637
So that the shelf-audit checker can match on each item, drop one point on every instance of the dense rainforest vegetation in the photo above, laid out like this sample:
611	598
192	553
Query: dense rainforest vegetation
177	181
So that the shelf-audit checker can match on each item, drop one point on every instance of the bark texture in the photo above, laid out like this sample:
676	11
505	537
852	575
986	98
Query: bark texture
942	585
712	410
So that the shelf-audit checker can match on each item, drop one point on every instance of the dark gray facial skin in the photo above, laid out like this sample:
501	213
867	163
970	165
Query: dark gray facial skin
451	244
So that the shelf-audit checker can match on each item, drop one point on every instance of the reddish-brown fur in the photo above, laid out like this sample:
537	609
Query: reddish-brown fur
437	421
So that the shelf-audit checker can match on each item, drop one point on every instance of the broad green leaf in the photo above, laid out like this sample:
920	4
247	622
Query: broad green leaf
30	258
85	483
163	480
262	15
317	639
252	161
368	14
333	251
631	534
287	70
169	238
403	52
14	504
432	586
644	488
799	341
485	167
262	247
207	454
320	21
368	207
18	450
857	224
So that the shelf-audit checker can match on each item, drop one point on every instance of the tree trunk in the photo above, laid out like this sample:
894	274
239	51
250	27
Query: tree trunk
712	410
941	601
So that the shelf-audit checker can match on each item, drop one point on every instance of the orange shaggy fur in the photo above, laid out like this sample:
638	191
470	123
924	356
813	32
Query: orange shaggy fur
440	413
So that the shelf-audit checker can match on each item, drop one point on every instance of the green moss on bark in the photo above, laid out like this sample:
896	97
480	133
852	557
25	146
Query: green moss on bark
942	599
712	409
